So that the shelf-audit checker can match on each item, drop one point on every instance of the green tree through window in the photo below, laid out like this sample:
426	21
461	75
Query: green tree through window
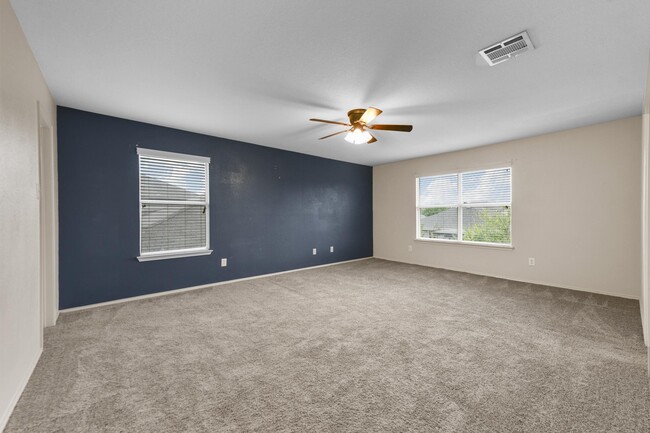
432	211
492	227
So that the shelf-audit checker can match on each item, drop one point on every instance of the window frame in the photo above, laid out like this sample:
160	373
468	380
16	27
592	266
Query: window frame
460	206
179	253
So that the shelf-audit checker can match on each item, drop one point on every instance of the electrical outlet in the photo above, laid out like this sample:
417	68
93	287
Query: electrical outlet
313	251
224	262
531	261
410	247
331	249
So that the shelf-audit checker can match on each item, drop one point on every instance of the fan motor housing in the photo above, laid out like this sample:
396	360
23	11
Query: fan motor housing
355	115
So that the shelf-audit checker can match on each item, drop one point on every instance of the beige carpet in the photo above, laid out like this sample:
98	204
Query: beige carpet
369	346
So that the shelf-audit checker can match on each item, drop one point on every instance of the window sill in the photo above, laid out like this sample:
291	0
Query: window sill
173	255
466	243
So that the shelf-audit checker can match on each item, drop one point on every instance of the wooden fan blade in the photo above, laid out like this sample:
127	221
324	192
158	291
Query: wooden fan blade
369	115
373	139
331	135
401	128
330	121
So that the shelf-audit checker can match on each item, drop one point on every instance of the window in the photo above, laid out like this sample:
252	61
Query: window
472	207
174	205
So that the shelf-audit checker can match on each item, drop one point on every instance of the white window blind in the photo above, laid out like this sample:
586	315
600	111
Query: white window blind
467	207
174	204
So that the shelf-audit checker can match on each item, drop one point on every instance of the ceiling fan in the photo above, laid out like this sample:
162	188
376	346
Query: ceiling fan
360	118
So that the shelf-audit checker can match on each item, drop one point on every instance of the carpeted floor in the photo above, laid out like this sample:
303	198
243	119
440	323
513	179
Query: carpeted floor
368	346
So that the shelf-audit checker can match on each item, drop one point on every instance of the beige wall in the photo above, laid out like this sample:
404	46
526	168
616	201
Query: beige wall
576	210
22	88
645	293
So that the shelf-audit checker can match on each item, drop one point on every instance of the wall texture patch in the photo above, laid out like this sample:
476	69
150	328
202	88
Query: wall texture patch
268	209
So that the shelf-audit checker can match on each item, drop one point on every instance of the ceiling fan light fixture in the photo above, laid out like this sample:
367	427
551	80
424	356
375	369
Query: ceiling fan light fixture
358	136
359	125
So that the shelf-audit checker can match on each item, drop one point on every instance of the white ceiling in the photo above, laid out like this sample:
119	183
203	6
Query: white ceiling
255	71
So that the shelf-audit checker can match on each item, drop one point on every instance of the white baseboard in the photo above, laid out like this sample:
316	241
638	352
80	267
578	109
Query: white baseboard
646	331
541	283
203	286
19	391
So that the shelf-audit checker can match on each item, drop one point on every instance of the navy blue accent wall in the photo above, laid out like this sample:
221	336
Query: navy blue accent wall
269	208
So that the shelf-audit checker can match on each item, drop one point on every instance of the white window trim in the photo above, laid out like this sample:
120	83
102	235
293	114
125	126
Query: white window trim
173	155
509	246
460	205
174	254
148	257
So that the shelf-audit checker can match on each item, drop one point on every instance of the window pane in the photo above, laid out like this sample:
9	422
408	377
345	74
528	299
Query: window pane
487	224
162	179
487	186
172	227
438	191
439	223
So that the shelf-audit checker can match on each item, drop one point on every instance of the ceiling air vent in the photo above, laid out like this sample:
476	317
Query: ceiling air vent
505	50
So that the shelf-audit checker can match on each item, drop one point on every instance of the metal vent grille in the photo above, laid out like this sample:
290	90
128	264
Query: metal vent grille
505	50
